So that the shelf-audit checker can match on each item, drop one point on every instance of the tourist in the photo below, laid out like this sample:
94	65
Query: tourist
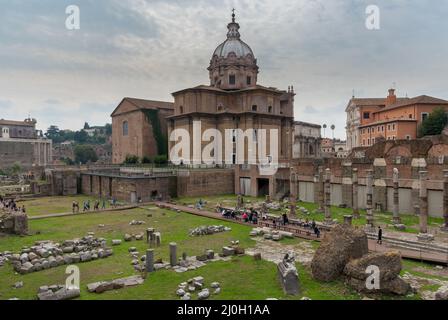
380	235
245	217
73	206
114	202
23	209
103	206
317	231
313	224
285	218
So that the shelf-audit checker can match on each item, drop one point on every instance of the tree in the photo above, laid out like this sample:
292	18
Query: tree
84	154
86	126
131	159
81	136
161	159
146	160
434	123
108	127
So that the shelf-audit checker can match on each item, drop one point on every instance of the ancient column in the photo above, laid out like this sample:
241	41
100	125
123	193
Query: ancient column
149	260
328	196
417	165
347	184
369	195
150	236
423	198
445	200
319	190
396	206
173	254
379	197
292	192
355	193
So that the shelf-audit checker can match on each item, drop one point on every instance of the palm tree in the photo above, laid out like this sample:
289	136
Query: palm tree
325	127
332	129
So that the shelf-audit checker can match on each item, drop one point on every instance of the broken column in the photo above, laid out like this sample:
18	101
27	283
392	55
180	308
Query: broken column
379	197
369	201
347	184
423	205
445	200
173	254
327	198
149	235
149	260
417	165
396	206
355	185
348	220
292	191
319	190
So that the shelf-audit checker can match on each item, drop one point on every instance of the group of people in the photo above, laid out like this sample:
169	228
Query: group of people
86	205
10	205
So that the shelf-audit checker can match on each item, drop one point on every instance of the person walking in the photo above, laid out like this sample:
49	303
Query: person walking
380	235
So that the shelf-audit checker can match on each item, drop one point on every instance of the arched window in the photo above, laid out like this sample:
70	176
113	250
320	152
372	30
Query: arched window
270	109
181	109
125	128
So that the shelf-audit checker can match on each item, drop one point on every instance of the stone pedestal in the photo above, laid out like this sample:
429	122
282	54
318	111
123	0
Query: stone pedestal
149	260
347	184
348	220
319	189
288	277
173	254
417	165
379	197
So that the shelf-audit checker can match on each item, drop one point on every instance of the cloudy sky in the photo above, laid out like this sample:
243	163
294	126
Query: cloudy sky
150	48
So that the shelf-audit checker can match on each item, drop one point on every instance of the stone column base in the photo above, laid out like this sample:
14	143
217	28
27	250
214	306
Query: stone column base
425	237
396	220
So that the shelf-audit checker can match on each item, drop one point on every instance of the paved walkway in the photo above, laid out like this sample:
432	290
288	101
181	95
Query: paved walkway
300	232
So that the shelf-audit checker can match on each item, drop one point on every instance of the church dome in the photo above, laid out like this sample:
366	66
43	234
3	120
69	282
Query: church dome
233	43
240	48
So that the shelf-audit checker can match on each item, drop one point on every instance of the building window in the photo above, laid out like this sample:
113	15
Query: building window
366	115
368	130
410	116
393	138
373	140
368	142
373	130
393	127
232	79
255	135
425	116
249	80
181	109
408	137
254	108
388	127
125	128
270	109
382	128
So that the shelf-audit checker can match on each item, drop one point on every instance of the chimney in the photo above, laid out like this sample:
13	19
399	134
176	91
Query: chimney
391	98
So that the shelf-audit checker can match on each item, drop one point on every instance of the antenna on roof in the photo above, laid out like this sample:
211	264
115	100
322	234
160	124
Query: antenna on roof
353	93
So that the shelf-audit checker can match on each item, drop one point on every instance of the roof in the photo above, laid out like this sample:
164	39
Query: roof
16	123
145	104
423	99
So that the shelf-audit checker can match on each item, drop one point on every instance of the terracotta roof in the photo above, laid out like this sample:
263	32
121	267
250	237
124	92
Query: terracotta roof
150	104
145	104
416	100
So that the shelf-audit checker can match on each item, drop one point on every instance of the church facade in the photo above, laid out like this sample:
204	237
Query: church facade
234	102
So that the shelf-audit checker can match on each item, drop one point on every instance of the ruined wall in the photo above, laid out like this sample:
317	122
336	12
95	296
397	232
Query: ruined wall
194	183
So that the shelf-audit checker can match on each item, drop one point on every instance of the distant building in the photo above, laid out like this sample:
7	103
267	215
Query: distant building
20	142
133	130
340	148
390	118
307	140
327	146
334	148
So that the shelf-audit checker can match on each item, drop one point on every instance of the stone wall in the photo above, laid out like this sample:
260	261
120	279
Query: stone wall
129	189
197	182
